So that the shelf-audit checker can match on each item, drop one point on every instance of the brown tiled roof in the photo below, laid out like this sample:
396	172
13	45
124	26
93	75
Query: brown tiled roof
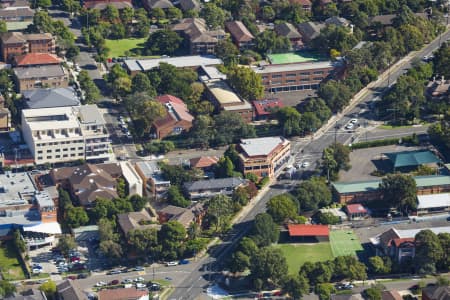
189	4
203	161
121	294
391	295
13	38
436	292
238	31
19	12
36	59
130	221
288	30
183	215
388	19
38	36
387	236
196	30
69	289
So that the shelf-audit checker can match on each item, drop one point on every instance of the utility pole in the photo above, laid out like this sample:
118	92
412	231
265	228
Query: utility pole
389	72
336	127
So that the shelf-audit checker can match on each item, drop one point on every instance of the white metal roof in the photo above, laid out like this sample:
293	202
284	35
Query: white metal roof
433	200
261	146
50	228
179	62
293	67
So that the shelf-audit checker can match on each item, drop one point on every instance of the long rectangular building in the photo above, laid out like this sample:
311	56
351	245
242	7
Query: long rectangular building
296	76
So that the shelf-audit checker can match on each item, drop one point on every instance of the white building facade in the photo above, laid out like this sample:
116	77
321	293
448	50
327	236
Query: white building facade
64	134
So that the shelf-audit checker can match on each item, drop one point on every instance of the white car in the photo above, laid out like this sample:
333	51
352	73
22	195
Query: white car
37	271
354	121
305	164
349	126
139	279
128	280
140	285
100	283
172	263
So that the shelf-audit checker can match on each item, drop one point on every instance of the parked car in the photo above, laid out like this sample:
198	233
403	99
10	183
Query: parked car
37	271
82	276
171	263
127	280
139	268
349	126
155	287
114	272
183	262
72	277
139	279
114	282
140	285
100	284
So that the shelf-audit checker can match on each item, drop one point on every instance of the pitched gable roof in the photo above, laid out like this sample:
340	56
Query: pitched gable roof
437	292
203	161
310	30
288	30
189	5
158	4
133	220
122	294
176	111
36	59
196	30
69	289
44	98
239	32
263	107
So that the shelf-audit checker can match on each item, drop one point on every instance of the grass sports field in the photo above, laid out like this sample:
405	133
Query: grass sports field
297	254
118	48
344	242
293	57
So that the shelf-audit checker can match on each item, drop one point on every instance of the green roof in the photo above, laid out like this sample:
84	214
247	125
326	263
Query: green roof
412	158
294	57
372	185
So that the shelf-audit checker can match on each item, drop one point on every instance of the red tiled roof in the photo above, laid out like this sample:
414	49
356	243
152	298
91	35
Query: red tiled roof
121	294
203	161
356	208
169	98
398	242
308	230
262	106
37	59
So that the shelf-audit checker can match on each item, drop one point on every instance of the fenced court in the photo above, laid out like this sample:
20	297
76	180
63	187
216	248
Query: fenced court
344	242
293	57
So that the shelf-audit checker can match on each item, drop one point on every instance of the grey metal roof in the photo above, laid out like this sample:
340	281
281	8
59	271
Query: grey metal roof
295	67
39	72
179	62
90	114
221	183
45	98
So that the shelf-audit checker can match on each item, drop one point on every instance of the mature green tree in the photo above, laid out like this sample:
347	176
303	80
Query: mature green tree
224	168
335	37
324	290
171	238
327	218
214	16
335	158
399	191
282	208
229	127
7	289
239	262
66	243
144	241
313	193
177	175
43	3
143	108
220	211
267	13
372	293
163	42
268	42
444	239
19	243
247	246
167	79
202	131
227	51
49	288
106	230
296	286
174	13
104	208
269	266
138	202
111	14
76	217
441	60
377	265
265	230
141	84
336	94
289	120
111	249
158	13
246	82
174	197
91	91
428	251
321	272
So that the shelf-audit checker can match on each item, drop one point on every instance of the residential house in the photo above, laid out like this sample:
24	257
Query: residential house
185	216
437	90
14	3
205	163
30	294
202	189
391	295
136	220
193	61
124	294
16	14
264	109
29	78
309	30
17	43
88	182
356	211
337	21
65	134
5	116
154	184
296	76
152	4
288	30
187	5
240	35
70	290
365	191
200	40
402	248
47	98
436	293
264	157
177	119
102	4
306	5
36	59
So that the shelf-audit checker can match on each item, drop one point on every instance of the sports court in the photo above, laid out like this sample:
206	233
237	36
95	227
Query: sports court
293	57
344	242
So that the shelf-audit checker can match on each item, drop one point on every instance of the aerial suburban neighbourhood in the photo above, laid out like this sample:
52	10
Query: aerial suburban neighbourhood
200	149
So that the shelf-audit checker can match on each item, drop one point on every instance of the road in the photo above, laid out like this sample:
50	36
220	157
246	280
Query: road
193	286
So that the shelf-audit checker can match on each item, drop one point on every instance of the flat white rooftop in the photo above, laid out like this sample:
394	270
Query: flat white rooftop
179	62
51	118
262	146
433	200
15	188
293	67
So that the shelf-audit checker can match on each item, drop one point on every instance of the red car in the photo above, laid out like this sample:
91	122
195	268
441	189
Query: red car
72	277
114	282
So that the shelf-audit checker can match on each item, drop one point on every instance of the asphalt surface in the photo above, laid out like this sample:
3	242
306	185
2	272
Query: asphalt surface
311	150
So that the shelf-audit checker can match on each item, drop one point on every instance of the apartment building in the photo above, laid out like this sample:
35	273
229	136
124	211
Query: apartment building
264	157
155	185
199	38
240	35
36	77
295	77
64	134
17	43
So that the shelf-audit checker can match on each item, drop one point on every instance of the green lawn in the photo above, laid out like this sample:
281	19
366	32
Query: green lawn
9	263
297	254
118	48
344	242
293	57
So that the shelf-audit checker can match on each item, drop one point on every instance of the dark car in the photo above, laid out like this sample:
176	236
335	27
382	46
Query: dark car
72	277
82	276
114	282
183	262
154	286
114	272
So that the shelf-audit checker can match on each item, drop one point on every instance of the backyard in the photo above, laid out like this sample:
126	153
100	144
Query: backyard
297	254
124	47
9	263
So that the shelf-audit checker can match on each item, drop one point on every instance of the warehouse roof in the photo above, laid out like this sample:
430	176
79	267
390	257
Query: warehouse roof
433	200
